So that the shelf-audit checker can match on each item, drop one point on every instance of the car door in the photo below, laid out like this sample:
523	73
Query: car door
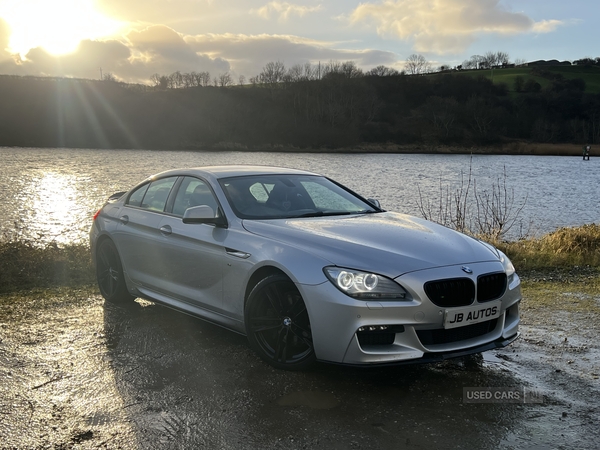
192	255
138	232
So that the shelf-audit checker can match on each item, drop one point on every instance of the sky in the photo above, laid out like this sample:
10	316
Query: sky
134	39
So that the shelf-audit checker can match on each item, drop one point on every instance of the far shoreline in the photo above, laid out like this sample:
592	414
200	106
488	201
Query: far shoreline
511	148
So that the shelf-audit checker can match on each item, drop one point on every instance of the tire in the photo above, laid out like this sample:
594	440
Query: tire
277	324
109	273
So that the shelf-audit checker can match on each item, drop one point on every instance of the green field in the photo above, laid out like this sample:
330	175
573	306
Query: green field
589	74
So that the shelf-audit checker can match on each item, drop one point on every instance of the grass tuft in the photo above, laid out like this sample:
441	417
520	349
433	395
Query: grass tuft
563	248
26	264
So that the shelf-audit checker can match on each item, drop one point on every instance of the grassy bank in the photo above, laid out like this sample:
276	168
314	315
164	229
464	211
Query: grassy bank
564	248
26	265
565	254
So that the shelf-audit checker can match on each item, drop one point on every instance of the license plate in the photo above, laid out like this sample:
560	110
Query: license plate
460	317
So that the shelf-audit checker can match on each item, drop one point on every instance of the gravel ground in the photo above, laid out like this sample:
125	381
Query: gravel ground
79	373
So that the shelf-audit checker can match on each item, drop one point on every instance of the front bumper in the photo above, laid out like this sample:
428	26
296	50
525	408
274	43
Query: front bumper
414	330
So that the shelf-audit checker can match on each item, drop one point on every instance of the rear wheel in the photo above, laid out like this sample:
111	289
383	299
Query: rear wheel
277	324
109	273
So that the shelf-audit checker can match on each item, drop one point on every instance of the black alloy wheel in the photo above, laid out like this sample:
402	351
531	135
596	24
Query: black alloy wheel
109	273
277	324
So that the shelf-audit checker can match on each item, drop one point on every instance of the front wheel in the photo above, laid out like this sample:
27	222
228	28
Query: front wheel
277	324
109	273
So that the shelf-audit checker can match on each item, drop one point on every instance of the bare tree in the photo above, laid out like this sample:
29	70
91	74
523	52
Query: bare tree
176	79
225	79
204	78
160	81
502	58
272	73
417	65
295	73
489	60
350	70
382	71
242	80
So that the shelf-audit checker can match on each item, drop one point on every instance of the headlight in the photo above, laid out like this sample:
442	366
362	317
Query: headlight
364	285
508	266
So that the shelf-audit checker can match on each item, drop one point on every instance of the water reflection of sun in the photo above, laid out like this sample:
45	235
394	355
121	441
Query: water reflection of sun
55	208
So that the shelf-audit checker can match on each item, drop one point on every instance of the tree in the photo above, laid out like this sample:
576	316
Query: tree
272	73
382	71
159	81
502	58
225	79
417	65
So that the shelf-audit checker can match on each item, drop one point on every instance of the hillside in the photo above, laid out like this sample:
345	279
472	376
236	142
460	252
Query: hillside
548	105
544	75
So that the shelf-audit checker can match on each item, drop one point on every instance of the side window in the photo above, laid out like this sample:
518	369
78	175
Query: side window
193	192
135	199
157	194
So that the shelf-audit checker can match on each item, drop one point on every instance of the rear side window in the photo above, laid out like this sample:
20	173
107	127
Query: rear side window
153	196
135	199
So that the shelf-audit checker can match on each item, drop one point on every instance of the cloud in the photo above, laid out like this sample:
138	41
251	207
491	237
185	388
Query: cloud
160	49
444	26
87	61
140	53
155	49
248	54
547	26
284	10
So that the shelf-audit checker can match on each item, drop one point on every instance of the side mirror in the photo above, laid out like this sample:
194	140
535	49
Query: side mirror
374	202
203	214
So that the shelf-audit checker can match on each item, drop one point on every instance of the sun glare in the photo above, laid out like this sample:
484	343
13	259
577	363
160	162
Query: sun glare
55	25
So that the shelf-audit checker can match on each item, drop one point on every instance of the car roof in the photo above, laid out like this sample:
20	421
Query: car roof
227	171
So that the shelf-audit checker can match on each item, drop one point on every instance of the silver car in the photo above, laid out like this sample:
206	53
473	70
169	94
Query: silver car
304	267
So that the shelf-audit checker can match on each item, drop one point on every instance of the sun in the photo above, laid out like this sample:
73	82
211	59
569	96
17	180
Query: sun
55	25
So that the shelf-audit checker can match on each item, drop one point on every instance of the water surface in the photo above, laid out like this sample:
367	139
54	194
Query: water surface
51	194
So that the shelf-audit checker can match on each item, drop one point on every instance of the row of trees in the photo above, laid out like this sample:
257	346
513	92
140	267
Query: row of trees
275	72
587	61
178	80
487	61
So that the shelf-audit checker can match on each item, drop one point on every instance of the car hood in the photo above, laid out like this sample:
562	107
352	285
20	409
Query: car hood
387	243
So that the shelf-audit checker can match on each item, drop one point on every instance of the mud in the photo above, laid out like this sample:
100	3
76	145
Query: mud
77	372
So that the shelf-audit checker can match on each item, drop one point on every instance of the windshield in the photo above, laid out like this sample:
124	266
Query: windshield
287	196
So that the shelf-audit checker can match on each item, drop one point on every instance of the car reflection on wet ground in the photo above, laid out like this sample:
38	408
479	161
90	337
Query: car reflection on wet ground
80	373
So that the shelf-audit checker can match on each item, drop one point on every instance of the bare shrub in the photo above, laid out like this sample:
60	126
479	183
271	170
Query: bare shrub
490	214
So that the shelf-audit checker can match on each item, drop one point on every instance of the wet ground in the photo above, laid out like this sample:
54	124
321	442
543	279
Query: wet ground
78	373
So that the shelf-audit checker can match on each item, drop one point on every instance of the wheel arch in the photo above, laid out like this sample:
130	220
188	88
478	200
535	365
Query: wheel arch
96	244
259	275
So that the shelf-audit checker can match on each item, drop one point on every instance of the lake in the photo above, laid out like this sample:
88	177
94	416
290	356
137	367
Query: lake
51	194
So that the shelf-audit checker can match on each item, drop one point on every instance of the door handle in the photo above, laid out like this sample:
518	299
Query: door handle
166	230
124	220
